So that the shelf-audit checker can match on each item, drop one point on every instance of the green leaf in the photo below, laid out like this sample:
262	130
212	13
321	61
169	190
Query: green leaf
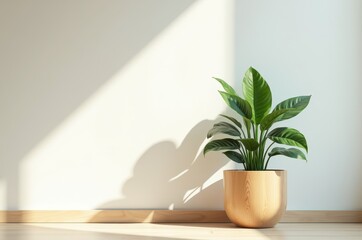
221	144
288	136
238	104
236	122
295	106
290	152
269	119
257	93
226	86
247	123
250	144
223	127
236	157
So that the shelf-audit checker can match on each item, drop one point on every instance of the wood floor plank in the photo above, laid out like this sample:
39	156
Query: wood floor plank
196	231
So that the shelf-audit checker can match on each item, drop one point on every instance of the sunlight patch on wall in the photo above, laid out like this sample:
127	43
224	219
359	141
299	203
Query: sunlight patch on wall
144	113
2	194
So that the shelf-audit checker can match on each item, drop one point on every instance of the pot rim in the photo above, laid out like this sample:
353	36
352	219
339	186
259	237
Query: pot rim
267	170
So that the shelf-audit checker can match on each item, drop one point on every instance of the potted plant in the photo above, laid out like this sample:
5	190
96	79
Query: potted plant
256	197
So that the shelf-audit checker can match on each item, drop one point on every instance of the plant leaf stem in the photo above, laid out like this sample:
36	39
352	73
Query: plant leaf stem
266	152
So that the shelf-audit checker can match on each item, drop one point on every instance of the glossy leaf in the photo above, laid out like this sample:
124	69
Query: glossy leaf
250	144
269	119
290	152
235	156
221	144
237	104
225	128
257	93
236	122
288	136
226	86
247	123
295	106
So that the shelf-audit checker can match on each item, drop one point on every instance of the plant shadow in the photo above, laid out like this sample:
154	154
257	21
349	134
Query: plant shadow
173	176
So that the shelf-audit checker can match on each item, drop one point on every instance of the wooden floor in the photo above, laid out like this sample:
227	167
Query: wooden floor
143	231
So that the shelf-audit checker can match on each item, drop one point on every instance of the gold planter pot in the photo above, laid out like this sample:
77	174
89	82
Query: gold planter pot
255	199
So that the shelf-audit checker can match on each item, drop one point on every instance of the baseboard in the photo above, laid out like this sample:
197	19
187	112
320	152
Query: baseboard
164	216
322	217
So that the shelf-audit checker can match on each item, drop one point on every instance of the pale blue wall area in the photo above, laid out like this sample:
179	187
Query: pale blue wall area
312	47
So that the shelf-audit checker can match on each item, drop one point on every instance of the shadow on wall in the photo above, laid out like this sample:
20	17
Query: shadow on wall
55	55
358	62
181	182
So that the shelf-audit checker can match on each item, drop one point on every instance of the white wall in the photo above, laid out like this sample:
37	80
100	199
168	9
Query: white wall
105	104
